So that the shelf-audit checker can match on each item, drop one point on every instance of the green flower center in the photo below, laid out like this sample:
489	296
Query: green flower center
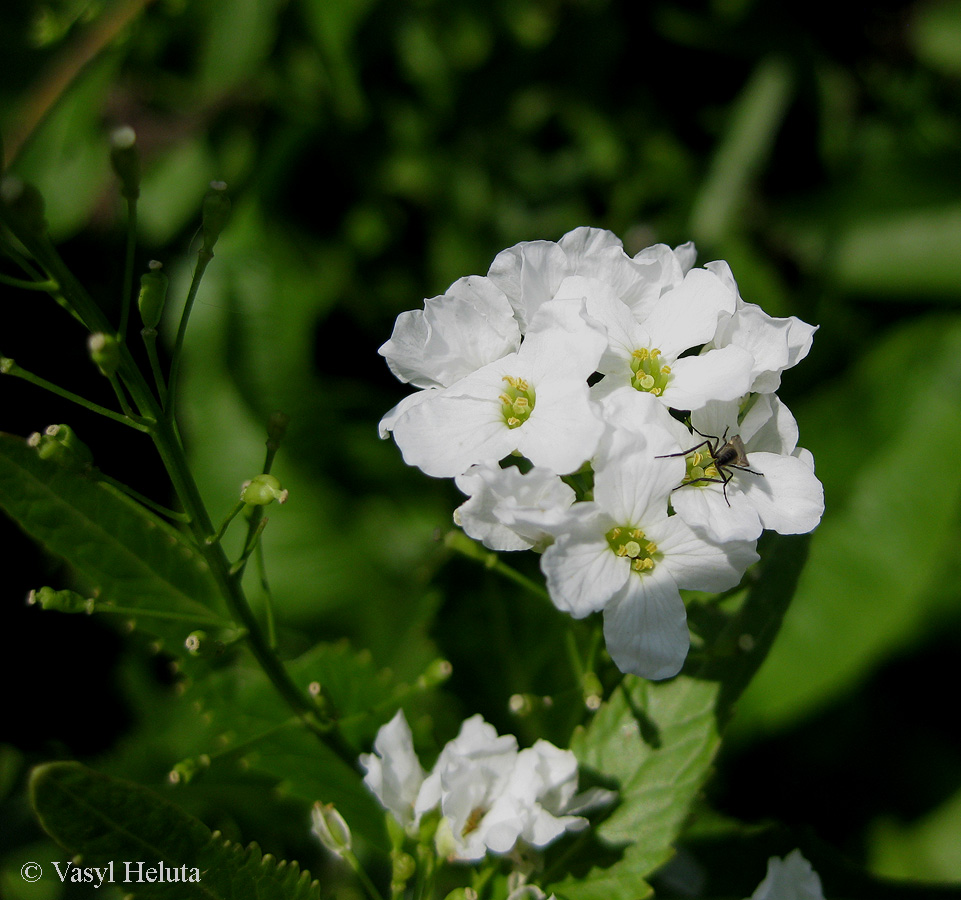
517	400
700	464
647	373
631	543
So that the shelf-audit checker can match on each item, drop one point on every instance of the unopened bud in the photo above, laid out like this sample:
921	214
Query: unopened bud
263	490
435	674
61	601
25	202
331	829
593	691
153	294
186	770
403	868
105	352
462	893
126	161
216	211
61	444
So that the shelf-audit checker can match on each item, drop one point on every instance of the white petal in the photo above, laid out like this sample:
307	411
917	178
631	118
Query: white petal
697	563
563	340
687	316
645	626
769	426
792	878
703	506
563	429
787	495
716	375
529	274
633	486
386	424
469	326
581	569
394	774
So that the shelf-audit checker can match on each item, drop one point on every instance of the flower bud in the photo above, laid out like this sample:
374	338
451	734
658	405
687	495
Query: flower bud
126	161
330	828
105	352
263	490
25	202
188	769
61	444
403	867
216	211
61	601
435	674
153	294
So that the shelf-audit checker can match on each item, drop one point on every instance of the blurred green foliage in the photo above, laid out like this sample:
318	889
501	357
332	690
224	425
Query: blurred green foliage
375	152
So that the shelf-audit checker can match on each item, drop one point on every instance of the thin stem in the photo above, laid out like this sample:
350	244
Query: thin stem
203	259
268	596
460	543
128	266
166	615
149	336
364	878
122	397
146	501
213	538
46	286
9	367
237	569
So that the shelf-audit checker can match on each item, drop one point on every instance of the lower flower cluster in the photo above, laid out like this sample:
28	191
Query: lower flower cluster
489	794
617	414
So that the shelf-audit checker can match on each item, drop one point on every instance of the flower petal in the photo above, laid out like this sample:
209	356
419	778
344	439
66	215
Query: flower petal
697	563
787	495
529	274
645	626
716	375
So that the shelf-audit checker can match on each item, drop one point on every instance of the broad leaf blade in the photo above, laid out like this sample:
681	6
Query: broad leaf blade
106	820
126	554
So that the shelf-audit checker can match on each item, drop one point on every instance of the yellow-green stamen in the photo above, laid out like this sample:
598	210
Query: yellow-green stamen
517	400
647	372
631	543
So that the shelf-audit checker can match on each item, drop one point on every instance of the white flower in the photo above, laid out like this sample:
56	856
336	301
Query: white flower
394	773
535	402
646	356
532	272
776	344
508	510
469	326
791	878
775	489
623	554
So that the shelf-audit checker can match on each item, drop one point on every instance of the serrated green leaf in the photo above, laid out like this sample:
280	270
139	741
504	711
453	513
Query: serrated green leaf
126	554
657	742
246	722
105	820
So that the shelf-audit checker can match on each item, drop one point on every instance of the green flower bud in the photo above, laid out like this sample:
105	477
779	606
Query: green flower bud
330	828
216	211
61	444
263	490
153	294
188	769
126	161
25	202
404	867
105	352
61	601
435	674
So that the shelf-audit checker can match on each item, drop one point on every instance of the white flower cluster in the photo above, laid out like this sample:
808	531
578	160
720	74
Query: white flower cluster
490	794
650	376
791	878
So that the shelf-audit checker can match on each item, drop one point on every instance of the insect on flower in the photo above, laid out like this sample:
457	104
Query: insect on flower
726	454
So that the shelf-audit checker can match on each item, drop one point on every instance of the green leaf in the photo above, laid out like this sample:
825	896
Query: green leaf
127	555
245	722
105	820
875	581
657	742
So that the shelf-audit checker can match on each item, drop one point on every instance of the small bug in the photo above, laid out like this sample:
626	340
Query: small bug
725	455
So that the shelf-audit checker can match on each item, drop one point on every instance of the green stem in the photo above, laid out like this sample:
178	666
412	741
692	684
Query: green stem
268	596
128	266
161	614
203	259
46	286
9	367
364	878
149	336
146	501
121	397
213	538
162	429
460	543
